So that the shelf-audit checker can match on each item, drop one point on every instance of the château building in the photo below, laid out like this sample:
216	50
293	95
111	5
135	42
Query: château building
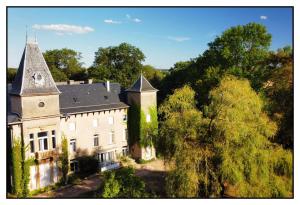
92	116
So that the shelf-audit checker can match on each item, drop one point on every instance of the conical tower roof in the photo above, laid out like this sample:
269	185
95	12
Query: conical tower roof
33	76
142	84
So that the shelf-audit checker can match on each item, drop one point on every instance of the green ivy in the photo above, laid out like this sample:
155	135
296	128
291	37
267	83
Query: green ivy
140	131
64	160
17	167
21	173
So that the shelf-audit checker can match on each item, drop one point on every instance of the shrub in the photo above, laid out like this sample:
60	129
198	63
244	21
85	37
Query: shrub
87	165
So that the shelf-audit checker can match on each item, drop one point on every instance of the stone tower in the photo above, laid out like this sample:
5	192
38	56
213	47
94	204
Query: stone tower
35	98
142	98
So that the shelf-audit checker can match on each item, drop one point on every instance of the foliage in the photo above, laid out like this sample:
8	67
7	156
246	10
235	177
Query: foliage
142	132
65	64
122	183
21	174
241	133
11	74
64	160
179	142
111	186
120	63
278	89
17	167
153	75
87	165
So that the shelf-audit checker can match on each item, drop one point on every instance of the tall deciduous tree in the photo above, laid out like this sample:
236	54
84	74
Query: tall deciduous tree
241	134
65	64
179	142
121	63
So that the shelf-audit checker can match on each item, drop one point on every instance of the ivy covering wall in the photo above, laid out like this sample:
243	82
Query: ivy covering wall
20	167
141	132
64	160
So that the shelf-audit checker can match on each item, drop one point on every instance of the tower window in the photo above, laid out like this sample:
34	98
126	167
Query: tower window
124	118
148	118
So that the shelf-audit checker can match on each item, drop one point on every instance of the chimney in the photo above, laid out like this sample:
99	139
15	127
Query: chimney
107	86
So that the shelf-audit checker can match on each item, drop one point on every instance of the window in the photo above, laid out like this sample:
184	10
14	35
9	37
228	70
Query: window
96	140
95	123
72	126
73	145
73	166
110	120
111	138
124	151
53	139
148	118
125	134
124	118
43	141
110	156
31	143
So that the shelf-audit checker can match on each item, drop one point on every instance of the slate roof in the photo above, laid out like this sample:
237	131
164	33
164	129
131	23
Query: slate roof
33	62
11	117
142	84
82	98
90	97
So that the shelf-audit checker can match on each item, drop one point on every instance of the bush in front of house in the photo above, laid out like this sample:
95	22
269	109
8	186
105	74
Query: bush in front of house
87	165
122	183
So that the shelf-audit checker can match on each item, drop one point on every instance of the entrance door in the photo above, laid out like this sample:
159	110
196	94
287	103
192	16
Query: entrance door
33	177
45	179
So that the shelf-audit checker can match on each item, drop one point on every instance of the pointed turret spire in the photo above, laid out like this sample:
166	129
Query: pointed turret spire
142	84
33	76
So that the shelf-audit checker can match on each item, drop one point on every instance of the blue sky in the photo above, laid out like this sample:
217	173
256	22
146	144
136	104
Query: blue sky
165	35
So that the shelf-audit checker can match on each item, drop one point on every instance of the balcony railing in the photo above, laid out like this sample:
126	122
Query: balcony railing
46	154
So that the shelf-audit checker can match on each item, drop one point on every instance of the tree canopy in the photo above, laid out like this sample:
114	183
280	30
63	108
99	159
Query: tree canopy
65	64
122	64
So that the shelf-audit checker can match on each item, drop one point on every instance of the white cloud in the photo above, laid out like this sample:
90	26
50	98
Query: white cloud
263	17
136	20
178	38
61	29
110	21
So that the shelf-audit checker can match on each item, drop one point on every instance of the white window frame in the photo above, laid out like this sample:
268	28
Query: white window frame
53	136
41	141
110	120
111	137
95	123
31	140
148	118
72	145
125	134
72	126
96	136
